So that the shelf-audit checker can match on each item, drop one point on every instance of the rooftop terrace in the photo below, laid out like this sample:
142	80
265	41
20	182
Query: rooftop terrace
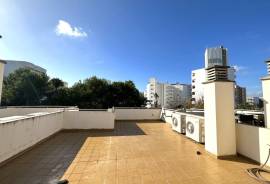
134	152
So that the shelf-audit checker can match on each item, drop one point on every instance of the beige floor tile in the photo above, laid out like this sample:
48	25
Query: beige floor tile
136	152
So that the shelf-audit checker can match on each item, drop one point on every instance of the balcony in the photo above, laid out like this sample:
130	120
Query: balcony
87	147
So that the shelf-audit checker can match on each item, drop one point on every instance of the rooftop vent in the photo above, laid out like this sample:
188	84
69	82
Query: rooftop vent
217	73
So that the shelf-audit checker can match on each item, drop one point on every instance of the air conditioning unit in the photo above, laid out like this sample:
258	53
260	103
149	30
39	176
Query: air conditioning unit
195	128
179	122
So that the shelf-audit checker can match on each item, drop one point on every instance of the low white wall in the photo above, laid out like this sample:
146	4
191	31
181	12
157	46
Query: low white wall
137	114
13	111
16	136
88	120
252	142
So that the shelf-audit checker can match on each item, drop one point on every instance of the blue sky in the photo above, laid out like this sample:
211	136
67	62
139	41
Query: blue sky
136	39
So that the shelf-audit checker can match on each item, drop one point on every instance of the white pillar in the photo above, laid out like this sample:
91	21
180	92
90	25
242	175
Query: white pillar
2	67
220	138
266	96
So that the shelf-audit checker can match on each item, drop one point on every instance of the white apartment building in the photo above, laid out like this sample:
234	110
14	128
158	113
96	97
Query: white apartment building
167	95
253	100
12	65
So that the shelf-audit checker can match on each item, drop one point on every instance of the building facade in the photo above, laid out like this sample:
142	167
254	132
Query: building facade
253	100
216	56
240	95
167	95
12	65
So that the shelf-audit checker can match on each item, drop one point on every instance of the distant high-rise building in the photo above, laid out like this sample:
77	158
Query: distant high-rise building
12	66
216	56
240	95
167	95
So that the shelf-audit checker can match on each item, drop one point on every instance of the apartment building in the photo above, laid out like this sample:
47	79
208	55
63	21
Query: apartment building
167	95
12	65
240	95
254	101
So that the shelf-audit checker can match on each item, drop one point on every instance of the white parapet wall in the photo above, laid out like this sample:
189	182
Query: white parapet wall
21	132
137	114
88	120
253	142
266	99
20	111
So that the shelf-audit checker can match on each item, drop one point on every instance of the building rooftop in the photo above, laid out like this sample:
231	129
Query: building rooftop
134	152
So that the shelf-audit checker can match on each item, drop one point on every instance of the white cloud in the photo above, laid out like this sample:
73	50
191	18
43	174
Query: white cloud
239	68
64	28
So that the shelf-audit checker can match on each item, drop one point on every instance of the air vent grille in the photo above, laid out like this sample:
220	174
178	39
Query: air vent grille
217	73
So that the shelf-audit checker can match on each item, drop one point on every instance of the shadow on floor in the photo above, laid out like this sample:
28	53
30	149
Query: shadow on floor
240	159
47	162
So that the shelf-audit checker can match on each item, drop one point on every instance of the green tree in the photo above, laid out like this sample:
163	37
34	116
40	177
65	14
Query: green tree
57	93
56	83
91	93
24	87
156	99
124	94
199	104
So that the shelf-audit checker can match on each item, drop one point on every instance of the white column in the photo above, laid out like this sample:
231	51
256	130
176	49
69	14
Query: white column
2	66
220	139
266	96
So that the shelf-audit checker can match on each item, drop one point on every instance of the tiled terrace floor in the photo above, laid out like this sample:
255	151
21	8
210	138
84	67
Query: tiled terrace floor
142	152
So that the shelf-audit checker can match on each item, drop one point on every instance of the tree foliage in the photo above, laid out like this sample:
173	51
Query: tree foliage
24	87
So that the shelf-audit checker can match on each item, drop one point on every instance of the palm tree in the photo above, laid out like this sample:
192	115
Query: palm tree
156	99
